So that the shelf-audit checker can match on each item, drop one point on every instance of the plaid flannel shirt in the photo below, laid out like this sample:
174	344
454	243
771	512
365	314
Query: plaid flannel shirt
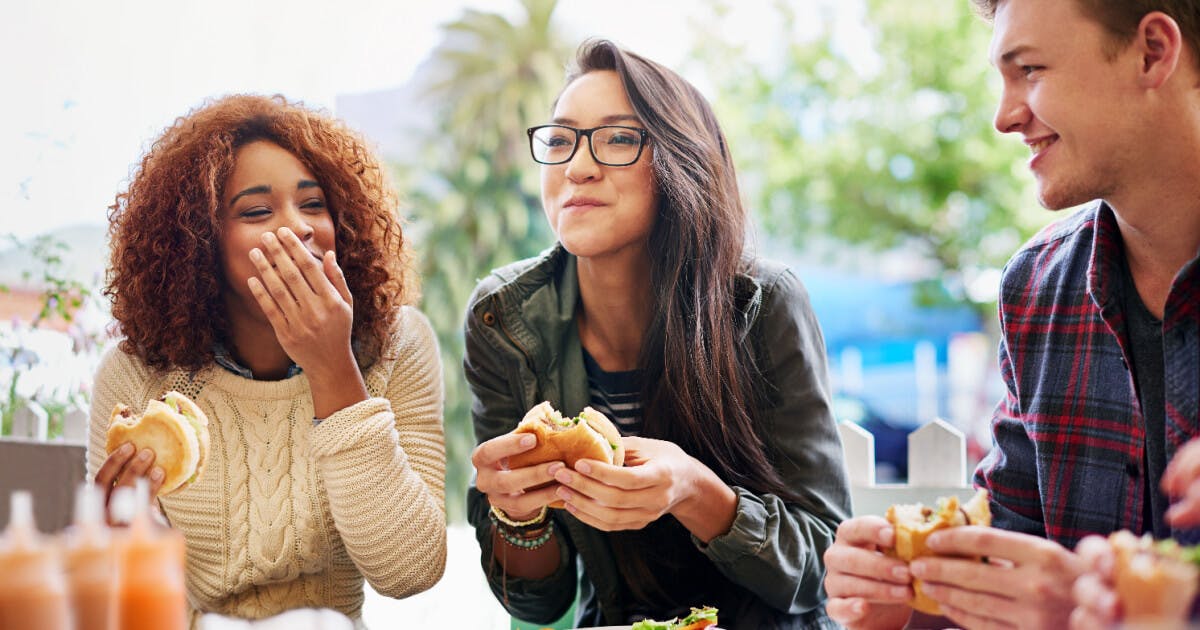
1069	433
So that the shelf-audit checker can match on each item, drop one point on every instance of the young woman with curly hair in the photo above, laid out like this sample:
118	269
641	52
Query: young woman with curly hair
258	267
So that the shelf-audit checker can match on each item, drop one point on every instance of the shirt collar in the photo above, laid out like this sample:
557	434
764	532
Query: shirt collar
1108	252
224	359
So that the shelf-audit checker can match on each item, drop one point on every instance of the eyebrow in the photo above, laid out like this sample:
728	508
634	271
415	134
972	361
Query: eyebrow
607	120
264	189
253	190
1008	56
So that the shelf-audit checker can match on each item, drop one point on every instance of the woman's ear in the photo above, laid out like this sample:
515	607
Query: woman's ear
1159	43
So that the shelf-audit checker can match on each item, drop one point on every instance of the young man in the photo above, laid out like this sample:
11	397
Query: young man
1100	318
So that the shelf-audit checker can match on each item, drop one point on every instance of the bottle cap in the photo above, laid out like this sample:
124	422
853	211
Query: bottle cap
89	505
20	514
121	508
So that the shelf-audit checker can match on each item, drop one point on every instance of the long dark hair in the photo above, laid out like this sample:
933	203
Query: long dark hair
700	377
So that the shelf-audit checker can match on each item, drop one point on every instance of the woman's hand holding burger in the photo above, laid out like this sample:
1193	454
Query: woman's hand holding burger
658	478
520	492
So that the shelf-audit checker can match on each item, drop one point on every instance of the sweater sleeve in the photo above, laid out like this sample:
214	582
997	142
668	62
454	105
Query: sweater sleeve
775	546
119	379
383	461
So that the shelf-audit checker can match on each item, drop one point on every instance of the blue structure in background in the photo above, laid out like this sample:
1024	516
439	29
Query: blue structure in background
883	323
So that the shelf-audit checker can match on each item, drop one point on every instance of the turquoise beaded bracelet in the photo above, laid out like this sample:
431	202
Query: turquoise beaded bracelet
527	543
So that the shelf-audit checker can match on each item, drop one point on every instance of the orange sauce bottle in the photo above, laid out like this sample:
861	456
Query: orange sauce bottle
33	593
91	563
150	563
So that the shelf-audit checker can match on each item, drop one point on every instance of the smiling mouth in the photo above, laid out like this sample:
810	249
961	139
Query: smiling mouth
1041	145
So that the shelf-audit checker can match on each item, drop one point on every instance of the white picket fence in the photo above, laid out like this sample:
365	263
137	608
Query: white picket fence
31	422
937	467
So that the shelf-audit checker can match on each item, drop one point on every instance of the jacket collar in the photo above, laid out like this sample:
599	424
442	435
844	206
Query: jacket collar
550	280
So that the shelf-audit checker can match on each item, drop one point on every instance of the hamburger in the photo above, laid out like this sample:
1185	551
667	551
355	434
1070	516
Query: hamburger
174	428
914	523
590	435
1156	581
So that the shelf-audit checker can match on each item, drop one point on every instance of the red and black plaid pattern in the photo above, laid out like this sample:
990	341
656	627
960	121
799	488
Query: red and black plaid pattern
1069	433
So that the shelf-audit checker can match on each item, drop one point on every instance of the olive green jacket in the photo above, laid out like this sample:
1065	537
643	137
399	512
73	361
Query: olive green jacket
522	347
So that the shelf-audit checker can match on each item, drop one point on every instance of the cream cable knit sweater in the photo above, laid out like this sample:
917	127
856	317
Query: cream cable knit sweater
288	515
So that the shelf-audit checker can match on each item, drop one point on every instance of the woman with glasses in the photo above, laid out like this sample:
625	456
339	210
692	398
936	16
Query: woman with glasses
709	361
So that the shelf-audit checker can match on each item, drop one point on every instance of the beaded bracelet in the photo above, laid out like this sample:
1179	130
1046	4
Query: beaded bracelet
527	544
498	516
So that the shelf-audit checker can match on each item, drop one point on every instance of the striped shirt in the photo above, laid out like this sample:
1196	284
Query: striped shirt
617	395
1070	455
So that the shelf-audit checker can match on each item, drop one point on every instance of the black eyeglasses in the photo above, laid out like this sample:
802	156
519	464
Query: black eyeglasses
611	145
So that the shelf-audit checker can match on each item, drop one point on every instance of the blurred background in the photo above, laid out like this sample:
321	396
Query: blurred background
861	130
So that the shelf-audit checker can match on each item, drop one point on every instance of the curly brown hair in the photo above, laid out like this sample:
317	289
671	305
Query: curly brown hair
165	279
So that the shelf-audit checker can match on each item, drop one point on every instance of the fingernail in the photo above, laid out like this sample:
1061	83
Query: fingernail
899	591
583	467
156	474
1108	603
917	569
859	609
126	448
563	476
284	232
564	494
268	238
528	440
901	573
555	467
885	535
256	254
145	454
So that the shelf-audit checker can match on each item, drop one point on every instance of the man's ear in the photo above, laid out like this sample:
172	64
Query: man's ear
1159	44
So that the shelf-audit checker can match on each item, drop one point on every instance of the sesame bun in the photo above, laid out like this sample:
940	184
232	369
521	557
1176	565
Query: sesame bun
174	428
914	523
590	435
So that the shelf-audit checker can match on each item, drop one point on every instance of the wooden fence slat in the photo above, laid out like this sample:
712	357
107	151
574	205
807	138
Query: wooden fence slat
858	448
31	421
937	455
75	426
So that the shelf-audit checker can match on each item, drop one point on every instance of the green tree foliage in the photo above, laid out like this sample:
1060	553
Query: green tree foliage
475	195
883	143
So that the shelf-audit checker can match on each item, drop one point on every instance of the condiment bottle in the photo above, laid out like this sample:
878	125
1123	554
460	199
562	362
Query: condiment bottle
150	561
91	563
33	593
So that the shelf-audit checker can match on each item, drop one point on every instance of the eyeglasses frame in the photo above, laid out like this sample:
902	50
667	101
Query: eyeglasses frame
644	136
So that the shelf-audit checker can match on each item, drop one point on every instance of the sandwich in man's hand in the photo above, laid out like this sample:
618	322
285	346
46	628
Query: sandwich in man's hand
590	435
174	428
914	523
1156	581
